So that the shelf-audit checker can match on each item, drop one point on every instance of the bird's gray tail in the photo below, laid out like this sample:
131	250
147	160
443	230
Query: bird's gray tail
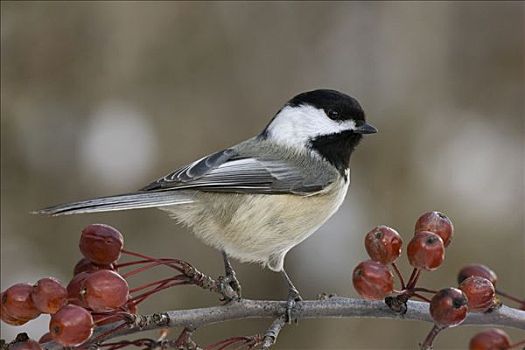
136	200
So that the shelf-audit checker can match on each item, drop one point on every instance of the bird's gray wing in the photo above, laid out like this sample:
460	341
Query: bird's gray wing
229	171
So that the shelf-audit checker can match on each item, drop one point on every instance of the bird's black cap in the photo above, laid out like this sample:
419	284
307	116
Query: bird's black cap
336	105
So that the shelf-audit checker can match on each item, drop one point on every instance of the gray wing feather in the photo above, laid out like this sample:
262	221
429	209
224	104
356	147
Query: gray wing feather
119	202
192	171
229	171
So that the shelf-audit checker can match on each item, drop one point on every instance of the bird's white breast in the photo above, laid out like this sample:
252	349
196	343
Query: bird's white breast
257	227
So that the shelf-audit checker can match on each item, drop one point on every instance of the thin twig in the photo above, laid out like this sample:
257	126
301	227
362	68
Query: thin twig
273	332
427	343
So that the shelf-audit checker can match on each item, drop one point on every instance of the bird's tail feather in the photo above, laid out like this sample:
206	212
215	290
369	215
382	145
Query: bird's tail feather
119	202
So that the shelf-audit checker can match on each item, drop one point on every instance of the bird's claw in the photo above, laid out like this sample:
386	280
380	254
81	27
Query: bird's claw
293	298
230	287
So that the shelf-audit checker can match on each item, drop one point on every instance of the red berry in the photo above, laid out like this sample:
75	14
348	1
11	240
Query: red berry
29	344
8	318
49	295
383	244
101	244
45	338
373	280
477	270
448	307
74	289
426	251
480	293
84	265
16	301
71	326
437	223
105	290
490	339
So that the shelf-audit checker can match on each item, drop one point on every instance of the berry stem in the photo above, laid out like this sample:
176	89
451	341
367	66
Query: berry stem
143	268
136	289
399	275
511	297
121	315
424	290
109	332
427	343
137	262
164	285
223	344
413	278
174	263
421	297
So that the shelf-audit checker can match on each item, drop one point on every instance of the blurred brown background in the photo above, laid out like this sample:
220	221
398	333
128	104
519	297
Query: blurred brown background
102	97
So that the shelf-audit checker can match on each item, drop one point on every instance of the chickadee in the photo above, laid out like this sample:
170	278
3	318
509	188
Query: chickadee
258	199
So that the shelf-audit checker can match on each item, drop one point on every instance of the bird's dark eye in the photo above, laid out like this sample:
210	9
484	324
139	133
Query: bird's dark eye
333	114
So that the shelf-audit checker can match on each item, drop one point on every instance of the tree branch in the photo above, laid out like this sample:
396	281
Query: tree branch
335	307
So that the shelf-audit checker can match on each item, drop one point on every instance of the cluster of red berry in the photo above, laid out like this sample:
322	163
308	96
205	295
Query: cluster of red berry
98	293
374	279
94	295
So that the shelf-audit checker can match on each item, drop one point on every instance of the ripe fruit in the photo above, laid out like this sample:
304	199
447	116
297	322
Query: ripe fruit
437	223
448	307
49	295
29	344
71	326
383	244
101	244
372	280
84	265
490	339
480	293
477	270
8	318
75	287
426	251
17	303
45	338
105	290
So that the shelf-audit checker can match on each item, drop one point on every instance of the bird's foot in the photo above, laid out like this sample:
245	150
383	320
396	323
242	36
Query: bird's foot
291	304
230	287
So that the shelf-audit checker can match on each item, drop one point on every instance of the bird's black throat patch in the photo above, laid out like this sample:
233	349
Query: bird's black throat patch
337	148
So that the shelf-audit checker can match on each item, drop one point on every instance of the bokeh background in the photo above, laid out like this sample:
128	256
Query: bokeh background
101	97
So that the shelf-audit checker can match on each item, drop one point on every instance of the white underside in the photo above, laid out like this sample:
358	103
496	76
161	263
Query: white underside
256	227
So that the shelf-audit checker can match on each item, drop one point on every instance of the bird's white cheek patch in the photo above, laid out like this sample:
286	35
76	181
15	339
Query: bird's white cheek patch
295	126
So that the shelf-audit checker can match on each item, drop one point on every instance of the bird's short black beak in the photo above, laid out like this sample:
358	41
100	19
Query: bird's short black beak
364	128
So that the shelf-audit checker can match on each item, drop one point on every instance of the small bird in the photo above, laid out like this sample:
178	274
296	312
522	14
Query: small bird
258	199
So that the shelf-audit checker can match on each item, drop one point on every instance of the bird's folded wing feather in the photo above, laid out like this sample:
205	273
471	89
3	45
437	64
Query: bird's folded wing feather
228	171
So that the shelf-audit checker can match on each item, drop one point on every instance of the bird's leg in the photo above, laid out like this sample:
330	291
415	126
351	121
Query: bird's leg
229	277
293	296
